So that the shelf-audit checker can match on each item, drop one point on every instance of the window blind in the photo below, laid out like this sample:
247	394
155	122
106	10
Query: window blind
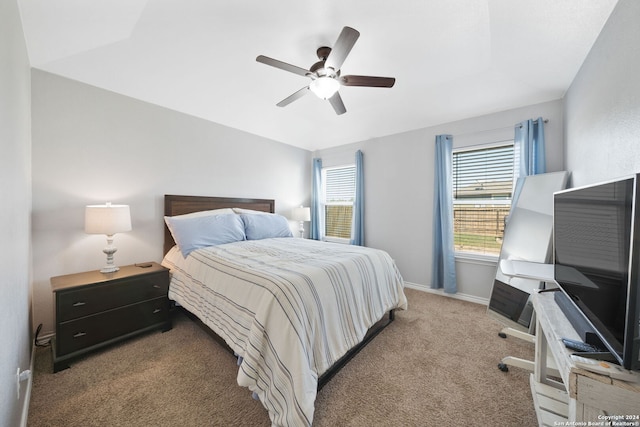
340	184
485	173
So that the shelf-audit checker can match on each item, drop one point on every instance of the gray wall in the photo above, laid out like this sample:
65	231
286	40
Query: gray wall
399	190
602	106
93	146
15	191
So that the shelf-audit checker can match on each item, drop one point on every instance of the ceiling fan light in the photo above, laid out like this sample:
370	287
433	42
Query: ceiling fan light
324	87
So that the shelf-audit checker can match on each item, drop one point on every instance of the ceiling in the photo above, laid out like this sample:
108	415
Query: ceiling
452	59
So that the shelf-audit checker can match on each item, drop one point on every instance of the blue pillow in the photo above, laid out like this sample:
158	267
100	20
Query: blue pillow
265	226
191	233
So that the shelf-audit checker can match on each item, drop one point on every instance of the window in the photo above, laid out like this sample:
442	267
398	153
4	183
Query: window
340	189
482	187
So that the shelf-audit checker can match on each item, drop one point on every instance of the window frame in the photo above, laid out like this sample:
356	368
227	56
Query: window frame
335	239
475	255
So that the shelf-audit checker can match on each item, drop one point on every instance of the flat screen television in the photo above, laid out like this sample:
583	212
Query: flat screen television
596	243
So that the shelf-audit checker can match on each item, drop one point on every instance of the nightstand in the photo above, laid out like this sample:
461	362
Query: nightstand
95	309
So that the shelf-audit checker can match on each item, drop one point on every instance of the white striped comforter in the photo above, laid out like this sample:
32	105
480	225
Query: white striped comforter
290	307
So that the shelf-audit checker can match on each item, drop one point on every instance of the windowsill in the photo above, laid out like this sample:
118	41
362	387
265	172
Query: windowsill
477	258
337	240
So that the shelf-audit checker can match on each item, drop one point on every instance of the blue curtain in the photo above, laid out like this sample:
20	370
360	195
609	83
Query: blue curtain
529	155
443	263
357	224
316	231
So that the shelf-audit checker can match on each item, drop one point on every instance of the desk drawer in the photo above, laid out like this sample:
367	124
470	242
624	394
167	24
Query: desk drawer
84	301
82	333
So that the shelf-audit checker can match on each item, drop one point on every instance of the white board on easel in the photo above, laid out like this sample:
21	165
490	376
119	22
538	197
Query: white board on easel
526	254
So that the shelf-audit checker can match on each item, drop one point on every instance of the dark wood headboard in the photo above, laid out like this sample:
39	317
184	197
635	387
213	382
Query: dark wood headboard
180	205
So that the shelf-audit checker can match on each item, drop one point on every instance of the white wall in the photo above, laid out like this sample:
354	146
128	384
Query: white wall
602	106
15	193
92	146
399	188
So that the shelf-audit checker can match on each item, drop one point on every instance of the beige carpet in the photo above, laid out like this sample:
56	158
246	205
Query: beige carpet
436	365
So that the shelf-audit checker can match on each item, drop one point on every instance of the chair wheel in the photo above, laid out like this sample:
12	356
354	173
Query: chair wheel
502	335
503	367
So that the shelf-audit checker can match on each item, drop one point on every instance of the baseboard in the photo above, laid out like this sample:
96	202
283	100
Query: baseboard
463	297
27	394
45	339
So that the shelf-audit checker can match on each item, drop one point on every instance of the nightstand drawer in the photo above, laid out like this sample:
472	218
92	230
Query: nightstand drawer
82	333
80	302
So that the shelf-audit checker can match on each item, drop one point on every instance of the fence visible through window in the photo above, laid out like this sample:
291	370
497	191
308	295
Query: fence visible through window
338	221
479	229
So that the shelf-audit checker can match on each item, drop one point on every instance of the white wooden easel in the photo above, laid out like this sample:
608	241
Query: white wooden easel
534	271
526	250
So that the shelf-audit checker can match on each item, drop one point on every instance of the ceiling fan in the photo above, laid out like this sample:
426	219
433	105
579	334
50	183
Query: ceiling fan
325	74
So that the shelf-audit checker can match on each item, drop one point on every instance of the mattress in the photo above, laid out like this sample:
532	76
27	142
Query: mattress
289	307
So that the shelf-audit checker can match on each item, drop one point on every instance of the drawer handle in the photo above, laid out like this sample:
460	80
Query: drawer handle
157	310
79	303
79	334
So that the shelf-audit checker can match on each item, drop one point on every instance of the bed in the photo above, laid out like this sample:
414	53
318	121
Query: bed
293	310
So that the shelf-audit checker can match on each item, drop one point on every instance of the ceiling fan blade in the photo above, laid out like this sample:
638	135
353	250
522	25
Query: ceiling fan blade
369	81
342	47
295	95
337	104
282	65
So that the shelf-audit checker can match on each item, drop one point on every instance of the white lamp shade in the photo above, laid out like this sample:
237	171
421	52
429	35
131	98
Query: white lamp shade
301	214
324	87
107	219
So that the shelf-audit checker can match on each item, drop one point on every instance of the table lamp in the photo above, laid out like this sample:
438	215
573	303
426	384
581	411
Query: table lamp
301	214
107	219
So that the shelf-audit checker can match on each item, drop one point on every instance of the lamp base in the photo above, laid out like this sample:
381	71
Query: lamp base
109	269
109	250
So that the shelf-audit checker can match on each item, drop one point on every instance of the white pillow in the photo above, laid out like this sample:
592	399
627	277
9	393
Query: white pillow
222	211
265	226
200	231
248	211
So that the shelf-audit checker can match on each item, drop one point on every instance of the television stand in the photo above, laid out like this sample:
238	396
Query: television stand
604	356
577	395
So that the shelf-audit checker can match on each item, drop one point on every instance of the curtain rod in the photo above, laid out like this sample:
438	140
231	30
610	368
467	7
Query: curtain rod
535	123
495	129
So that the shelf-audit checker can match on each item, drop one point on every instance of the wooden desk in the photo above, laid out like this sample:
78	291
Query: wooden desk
579	395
